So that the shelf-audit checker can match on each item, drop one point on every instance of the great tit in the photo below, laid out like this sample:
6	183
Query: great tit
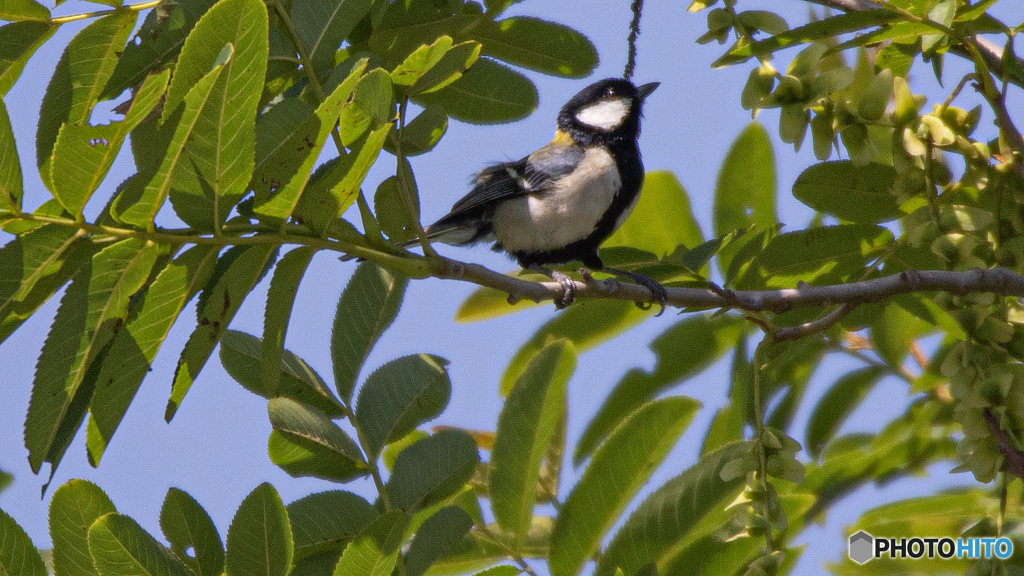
562	201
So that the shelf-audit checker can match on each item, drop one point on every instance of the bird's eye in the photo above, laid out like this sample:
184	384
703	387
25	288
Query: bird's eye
611	92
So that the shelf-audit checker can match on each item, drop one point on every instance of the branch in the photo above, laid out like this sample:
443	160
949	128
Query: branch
995	280
990	53
1014	463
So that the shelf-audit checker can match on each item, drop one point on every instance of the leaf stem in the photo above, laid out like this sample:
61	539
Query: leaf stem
300	47
130	7
762	457
403	183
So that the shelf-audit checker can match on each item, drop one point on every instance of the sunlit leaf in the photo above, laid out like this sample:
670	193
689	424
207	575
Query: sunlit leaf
488	93
670	512
237	272
526	427
683	351
116	542
619	469
75	506
860	194
75	87
17	553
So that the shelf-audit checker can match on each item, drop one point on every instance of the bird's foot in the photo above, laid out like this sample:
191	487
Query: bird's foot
568	285
658	292
568	289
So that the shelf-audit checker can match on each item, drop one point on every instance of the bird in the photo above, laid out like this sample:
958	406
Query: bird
561	202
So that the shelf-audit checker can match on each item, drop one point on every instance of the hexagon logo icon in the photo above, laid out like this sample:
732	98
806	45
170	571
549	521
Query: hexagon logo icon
861	547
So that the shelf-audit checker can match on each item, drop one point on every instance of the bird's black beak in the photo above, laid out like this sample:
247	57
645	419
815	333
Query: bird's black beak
645	89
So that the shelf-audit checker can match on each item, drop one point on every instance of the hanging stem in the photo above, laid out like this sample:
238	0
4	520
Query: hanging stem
634	34
762	458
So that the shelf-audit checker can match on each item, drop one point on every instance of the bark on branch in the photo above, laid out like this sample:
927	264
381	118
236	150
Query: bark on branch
995	280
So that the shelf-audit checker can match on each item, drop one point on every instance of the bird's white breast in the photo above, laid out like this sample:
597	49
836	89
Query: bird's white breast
566	212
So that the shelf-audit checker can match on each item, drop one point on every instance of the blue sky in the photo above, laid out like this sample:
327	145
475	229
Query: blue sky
216	447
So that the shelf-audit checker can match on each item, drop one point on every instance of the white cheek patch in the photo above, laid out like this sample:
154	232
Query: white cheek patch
605	115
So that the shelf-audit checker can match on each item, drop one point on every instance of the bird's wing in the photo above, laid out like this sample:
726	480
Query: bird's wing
530	175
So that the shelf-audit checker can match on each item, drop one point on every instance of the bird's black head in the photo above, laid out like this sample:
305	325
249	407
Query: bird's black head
604	111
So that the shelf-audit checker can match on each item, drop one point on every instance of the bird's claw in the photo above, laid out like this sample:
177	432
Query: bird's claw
568	289
657	291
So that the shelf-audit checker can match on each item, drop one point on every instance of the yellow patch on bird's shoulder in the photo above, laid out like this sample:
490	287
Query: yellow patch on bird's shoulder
564	138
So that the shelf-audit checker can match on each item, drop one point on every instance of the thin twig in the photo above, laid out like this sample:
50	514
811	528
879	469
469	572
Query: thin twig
634	34
85	15
990	280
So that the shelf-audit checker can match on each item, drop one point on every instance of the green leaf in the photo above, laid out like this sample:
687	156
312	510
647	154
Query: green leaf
10	168
894	330
301	429
621	466
662	219
431	470
323	24
280	298
328	196
75	506
133	349
435	538
745	193
21	10
526	427
218	160
376	551
682	351
17	553
287	148
420	62
260	536
399	396
241	355
82	71
667	515
836	405
503	570
823	255
422	134
488	93
586	326
448	69
327	521
367	307
538	45
371	106
18	42
119	546
480	549
860	194
238	271
143	197
91	313
14	312
83	153
193	537
29	258
156	44
820	30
